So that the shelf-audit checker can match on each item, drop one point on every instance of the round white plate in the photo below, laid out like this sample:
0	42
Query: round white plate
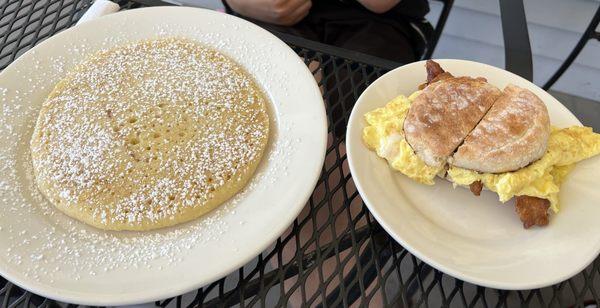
476	239
50	254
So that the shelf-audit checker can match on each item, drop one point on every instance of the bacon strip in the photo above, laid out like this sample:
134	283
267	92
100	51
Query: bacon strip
434	73
532	211
433	70
476	188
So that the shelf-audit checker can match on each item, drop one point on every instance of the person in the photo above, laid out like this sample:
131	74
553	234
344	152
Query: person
395	30
391	29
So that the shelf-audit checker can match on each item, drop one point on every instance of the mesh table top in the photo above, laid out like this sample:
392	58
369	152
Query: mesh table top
335	253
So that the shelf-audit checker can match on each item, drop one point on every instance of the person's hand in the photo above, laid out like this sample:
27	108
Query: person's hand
379	6
279	12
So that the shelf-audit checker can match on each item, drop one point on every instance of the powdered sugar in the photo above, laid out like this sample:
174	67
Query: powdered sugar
72	248
167	107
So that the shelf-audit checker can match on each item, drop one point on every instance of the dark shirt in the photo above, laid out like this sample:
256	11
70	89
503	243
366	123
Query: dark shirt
415	9
400	34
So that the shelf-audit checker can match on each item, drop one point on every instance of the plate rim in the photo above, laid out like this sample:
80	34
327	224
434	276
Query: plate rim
145	296
355	119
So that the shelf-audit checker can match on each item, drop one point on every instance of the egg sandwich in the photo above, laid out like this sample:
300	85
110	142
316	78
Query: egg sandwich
475	135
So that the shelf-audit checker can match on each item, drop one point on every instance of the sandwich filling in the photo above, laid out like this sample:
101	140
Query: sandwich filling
384	134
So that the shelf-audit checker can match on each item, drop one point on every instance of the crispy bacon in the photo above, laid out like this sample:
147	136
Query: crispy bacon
476	188
433	70
532	211
434	73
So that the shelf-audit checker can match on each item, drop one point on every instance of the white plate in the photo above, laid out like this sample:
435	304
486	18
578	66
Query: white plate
476	239
55	256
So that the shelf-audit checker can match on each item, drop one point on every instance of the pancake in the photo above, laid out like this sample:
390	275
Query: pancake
149	135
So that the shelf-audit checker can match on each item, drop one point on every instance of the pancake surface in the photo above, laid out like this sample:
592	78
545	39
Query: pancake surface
512	134
149	135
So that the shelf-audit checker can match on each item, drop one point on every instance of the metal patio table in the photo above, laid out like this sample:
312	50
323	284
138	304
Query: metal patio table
360	264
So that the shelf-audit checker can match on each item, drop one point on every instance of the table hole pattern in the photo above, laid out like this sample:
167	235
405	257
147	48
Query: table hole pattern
314	263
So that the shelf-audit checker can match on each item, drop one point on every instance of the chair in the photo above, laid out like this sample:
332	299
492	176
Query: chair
439	27
590	33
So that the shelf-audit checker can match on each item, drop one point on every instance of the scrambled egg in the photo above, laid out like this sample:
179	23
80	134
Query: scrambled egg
543	177
385	135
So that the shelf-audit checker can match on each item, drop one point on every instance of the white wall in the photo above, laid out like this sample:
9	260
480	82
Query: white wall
472	32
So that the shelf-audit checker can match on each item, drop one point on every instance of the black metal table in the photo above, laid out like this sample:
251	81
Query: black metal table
355	263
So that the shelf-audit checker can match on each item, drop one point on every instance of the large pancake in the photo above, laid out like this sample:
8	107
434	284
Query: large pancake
444	113
512	134
149	135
